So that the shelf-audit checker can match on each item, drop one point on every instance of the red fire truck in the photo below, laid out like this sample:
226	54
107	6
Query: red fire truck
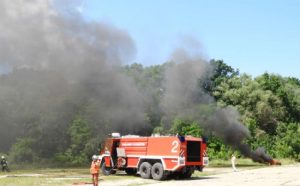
153	157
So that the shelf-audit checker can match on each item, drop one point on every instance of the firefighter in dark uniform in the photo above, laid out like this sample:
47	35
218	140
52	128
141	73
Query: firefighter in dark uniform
4	164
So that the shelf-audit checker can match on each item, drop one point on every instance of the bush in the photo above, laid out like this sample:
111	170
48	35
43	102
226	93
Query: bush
78	152
287	143
21	151
183	127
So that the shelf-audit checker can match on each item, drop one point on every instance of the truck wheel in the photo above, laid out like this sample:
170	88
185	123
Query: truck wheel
106	170
145	170
130	171
157	171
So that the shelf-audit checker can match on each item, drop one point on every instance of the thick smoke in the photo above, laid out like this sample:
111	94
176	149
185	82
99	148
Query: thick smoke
56	64
59	64
225	124
184	97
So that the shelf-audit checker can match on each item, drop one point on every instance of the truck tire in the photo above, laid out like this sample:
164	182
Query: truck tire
157	171
145	170
130	171
106	170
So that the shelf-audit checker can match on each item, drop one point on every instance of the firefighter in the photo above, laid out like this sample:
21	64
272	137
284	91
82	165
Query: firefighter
4	164
95	166
233	158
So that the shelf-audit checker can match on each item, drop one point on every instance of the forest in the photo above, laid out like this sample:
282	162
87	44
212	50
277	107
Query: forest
47	119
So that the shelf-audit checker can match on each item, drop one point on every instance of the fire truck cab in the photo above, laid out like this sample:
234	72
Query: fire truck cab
153	157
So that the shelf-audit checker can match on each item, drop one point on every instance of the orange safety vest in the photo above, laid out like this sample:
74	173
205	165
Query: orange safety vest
95	166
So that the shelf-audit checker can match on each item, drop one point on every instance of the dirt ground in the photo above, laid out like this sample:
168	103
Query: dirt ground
287	175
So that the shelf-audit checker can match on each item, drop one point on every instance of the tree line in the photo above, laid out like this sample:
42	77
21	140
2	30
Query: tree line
64	124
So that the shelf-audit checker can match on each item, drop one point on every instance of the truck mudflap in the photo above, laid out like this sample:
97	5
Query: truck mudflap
181	161
205	161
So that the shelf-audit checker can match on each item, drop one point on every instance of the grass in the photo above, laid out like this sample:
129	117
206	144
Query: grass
245	162
239	162
68	176
287	161
51	177
45	177
222	166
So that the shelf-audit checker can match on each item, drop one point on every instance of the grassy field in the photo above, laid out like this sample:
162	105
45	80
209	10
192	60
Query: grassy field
244	162
51	177
69	176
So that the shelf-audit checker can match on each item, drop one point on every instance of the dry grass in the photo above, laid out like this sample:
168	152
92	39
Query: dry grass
245	162
51	177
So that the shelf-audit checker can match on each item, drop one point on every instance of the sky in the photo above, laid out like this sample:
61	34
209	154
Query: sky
250	35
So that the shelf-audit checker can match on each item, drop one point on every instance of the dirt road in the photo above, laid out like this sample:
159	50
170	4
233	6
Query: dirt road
288	175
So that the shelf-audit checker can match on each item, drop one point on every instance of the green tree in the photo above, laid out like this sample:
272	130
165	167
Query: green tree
22	151
221	73
80	135
251	101
183	127
288	141
287	89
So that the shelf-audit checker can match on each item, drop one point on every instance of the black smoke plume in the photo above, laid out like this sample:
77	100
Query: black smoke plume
57	67
184	97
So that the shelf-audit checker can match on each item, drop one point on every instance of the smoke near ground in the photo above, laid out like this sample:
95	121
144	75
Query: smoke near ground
184	97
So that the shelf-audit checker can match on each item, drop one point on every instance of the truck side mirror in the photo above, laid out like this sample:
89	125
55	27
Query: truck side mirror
99	146
181	138
205	139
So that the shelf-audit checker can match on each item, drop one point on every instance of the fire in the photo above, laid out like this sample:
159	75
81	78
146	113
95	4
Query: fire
274	162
